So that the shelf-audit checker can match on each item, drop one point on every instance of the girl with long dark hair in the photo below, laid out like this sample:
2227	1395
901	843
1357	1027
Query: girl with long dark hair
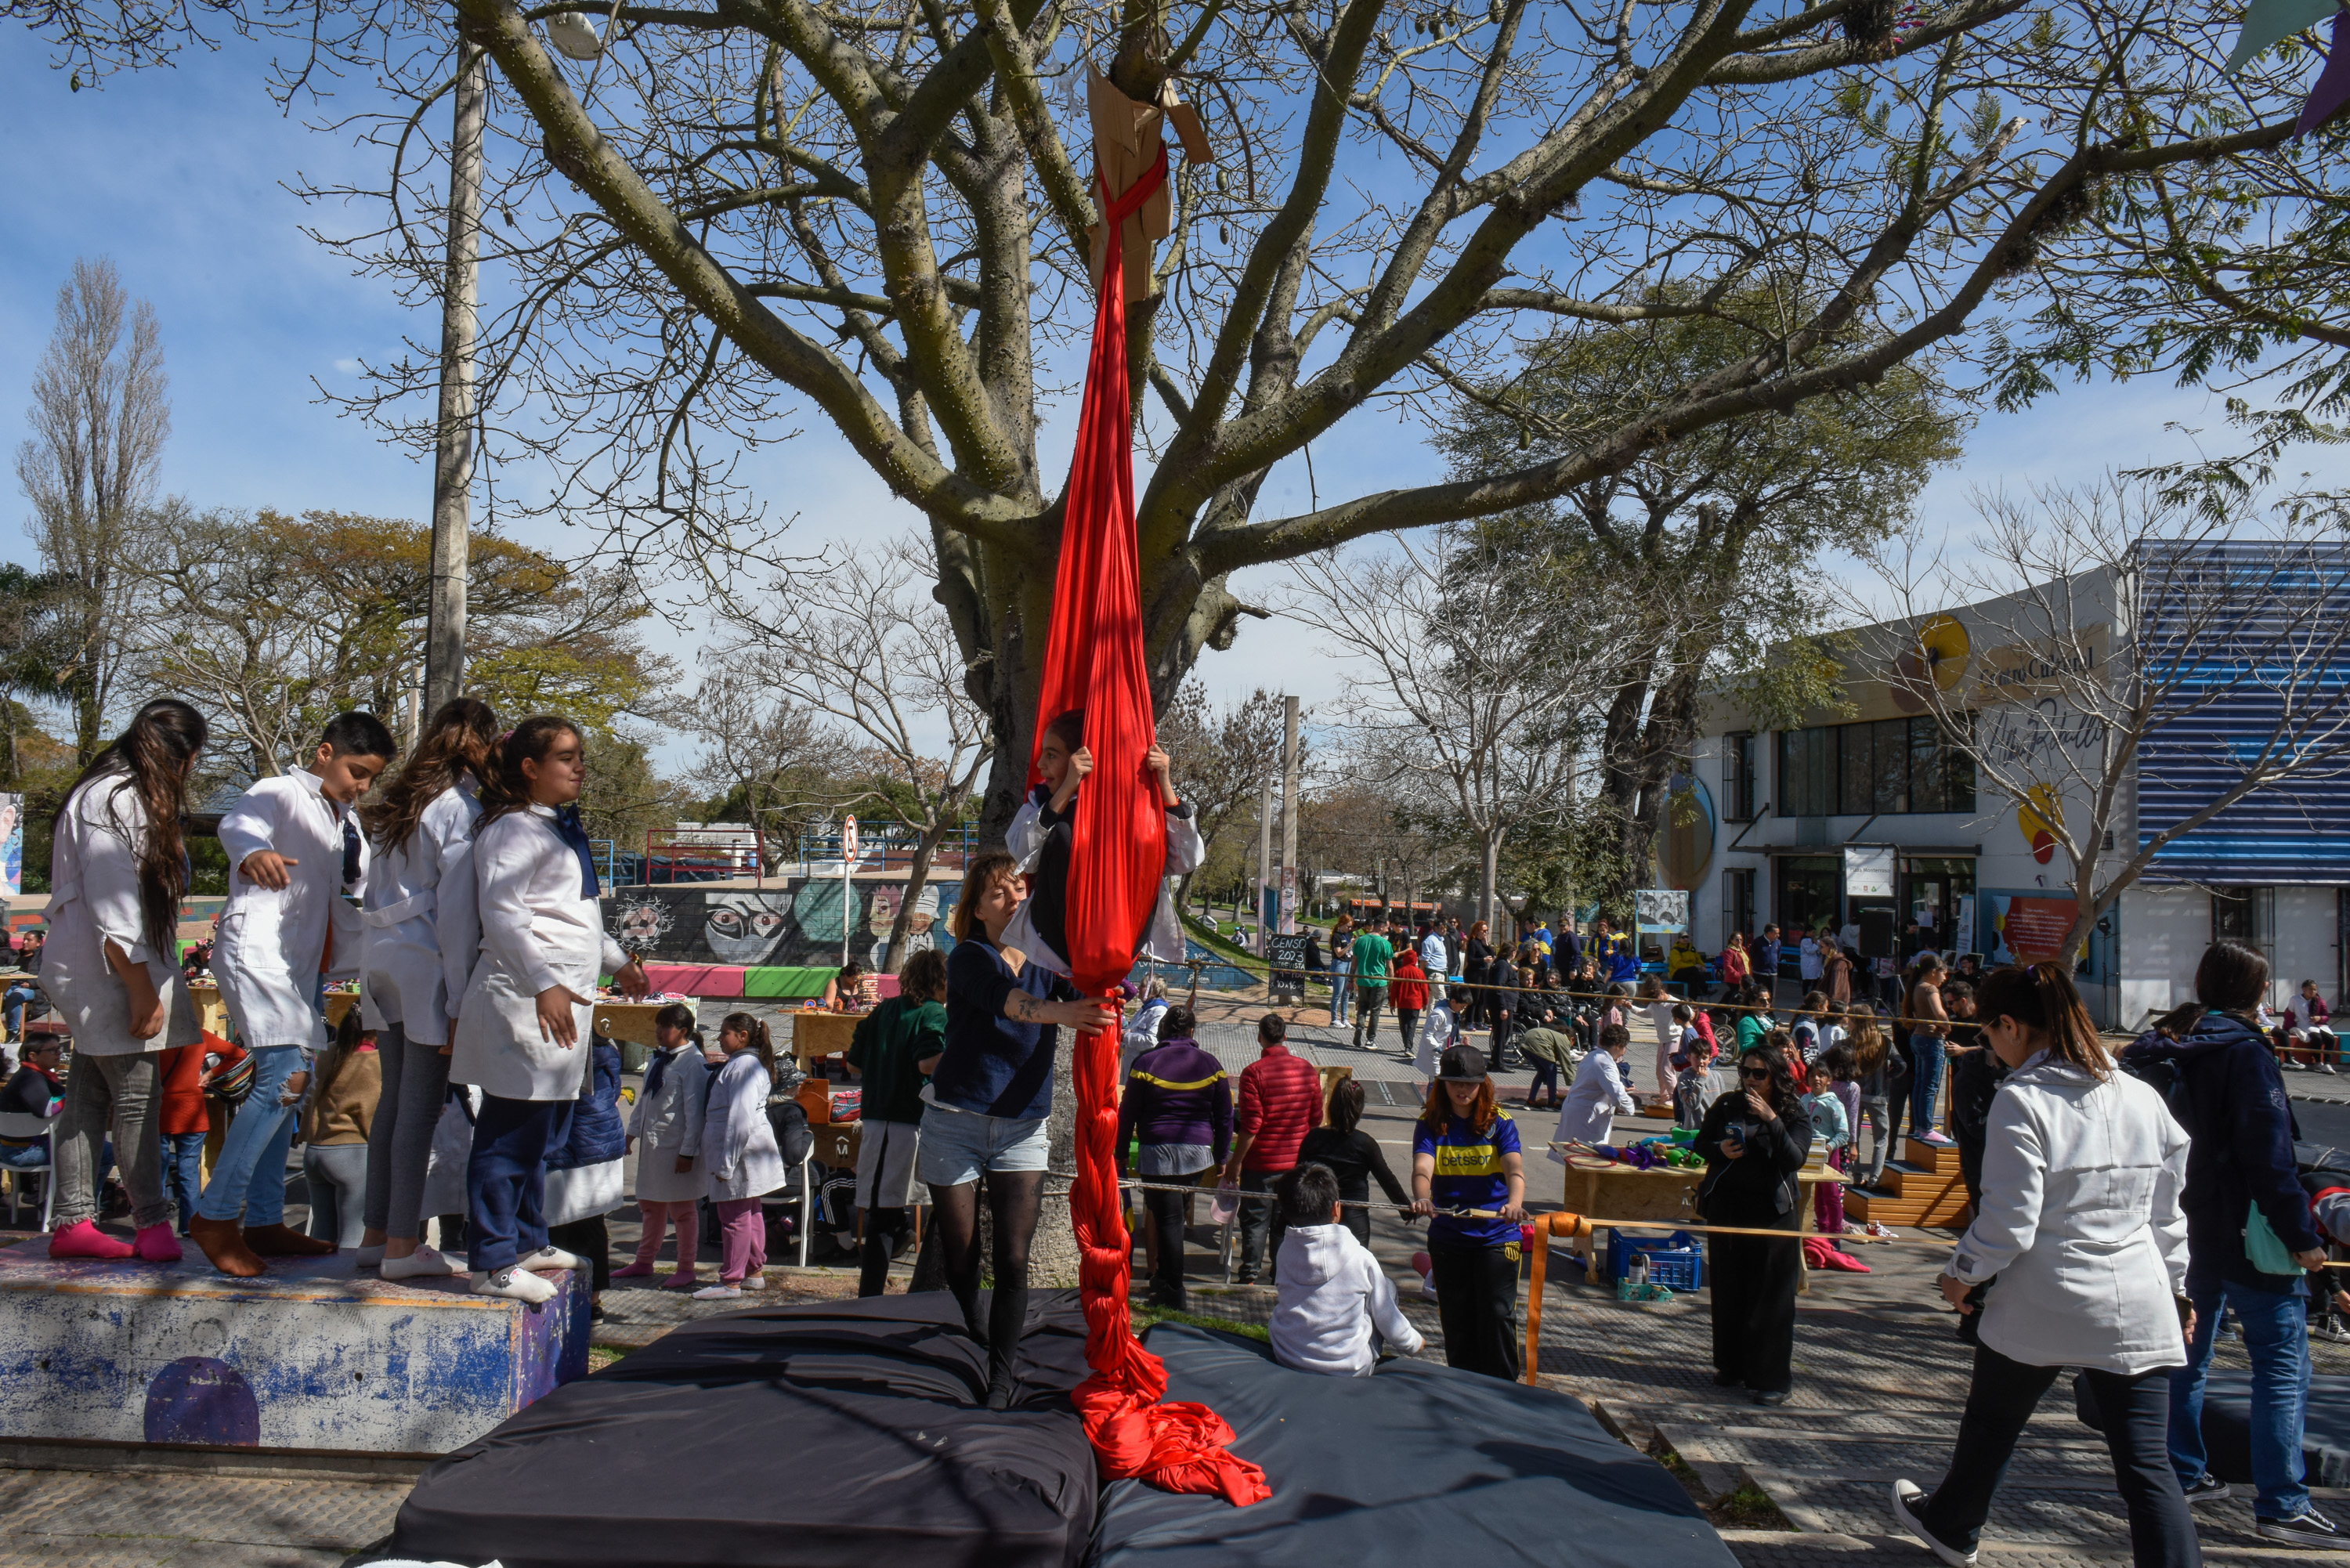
531	998
989	1097
117	869
1465	1156
423	934
1754	1140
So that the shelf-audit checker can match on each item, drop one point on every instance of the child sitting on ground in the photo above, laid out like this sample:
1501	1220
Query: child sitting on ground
1044	832
1333	1296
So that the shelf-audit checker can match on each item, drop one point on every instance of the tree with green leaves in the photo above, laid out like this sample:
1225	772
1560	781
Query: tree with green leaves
875	217
1724	535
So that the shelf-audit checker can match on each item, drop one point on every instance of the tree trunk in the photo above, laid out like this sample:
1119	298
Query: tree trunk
918	877
1489	875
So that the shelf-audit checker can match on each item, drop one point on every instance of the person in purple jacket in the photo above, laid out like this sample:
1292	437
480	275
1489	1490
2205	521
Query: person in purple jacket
1178	1103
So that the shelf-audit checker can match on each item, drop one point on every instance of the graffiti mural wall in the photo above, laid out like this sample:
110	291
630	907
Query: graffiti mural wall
800	921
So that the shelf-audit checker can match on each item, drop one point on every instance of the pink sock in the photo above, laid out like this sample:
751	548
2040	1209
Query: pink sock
83	1239
158	1244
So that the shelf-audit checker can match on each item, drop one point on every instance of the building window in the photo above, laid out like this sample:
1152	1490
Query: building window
1738	776
2246	915
1888	768
1738	902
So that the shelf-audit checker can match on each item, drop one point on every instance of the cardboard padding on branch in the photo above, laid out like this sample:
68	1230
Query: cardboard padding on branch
1128	136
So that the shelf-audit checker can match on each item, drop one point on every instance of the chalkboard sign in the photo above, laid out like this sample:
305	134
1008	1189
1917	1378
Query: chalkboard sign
1286	955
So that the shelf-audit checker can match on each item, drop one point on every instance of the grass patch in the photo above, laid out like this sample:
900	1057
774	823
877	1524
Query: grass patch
1144	1316
1748	1508
1222	947
1672	1461
599	1357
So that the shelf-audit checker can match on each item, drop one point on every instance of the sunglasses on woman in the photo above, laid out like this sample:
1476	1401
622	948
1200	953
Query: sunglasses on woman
1754	1072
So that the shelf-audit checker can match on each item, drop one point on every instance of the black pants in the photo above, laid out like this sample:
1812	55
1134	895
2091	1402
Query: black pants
1477	1300
1408	1023
883	1229
1751	1281
589	1240
1166	1213
1256	1214
2136	1412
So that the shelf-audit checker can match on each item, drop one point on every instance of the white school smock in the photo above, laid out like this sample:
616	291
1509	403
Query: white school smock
94	897
422	933
1162	940
669	1124
538	929
738	1141
272	939
1598	1095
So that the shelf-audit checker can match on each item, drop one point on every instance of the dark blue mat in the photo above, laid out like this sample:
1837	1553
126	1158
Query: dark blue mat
1415	1464
2228	1420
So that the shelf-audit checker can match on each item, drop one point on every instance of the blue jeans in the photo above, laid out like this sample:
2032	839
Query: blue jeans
2276	1337
249	1177
183	1172
1925	1083
505	1179
1342	980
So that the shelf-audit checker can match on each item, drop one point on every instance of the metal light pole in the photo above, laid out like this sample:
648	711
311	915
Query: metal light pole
1289	816
1263	862
453	461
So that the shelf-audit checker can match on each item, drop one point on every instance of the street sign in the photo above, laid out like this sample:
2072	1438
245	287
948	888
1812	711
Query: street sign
1868	870
848	838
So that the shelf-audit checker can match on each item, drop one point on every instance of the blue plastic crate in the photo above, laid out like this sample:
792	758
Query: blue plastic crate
1677	1260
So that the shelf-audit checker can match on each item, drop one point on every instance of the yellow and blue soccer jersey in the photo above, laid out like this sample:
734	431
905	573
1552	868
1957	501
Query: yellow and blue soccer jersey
1468	1175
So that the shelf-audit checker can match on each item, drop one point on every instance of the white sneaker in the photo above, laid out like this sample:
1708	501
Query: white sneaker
548	1259
423	1263
755	1281
517	1283
718	1294
371	1256
1906	1495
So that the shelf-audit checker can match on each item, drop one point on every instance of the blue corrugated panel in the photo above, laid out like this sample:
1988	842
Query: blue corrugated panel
2253	637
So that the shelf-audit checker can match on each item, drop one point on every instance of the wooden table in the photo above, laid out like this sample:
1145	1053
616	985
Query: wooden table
1662	1193
817	1033
837	1144
211	1012
629	1025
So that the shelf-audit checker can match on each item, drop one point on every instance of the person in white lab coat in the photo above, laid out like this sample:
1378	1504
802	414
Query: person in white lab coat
117	869
421	936
531	998
1042	834
673	1178
1599	1094
744	1163
294	851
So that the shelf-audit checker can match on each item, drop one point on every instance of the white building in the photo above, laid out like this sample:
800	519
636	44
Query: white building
1795	826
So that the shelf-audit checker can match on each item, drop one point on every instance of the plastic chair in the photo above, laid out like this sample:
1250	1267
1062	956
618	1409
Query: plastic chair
23	1125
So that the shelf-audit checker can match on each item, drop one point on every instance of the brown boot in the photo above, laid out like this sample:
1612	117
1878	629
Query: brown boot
223	1242
281	1241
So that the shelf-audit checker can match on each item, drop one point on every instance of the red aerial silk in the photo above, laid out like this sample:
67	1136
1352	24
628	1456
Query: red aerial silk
1093	660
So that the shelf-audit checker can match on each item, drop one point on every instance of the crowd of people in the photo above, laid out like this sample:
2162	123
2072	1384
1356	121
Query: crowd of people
2120	1204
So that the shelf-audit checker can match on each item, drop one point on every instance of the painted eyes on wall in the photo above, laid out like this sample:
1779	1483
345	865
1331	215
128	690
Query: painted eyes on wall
737	925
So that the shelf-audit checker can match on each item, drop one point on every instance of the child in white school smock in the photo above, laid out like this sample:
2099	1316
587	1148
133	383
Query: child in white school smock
117	869
744	1163
294	850
422	936
532	998
673	1178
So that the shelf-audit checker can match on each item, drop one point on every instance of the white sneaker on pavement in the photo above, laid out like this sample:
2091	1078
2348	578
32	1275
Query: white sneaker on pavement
1907	1497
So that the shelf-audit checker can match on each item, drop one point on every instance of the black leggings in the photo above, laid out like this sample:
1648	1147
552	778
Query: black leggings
1014	1198
883	1227
1167	1211
1477	1300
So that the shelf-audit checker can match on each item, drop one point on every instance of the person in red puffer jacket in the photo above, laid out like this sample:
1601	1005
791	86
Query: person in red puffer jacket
1280	1103
1409	991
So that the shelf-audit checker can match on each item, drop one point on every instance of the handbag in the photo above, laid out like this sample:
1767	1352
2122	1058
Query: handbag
2266	1248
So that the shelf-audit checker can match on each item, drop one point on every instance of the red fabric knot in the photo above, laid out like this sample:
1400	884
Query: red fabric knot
1094	661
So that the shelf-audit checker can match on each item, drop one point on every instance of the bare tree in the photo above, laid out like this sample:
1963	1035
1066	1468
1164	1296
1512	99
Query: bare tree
1470	707
99	418
878	216
857	642
1221	759
2135	667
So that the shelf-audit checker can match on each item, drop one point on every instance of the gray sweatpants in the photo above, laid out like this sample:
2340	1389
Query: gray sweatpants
338	1177
399	1140
121	1094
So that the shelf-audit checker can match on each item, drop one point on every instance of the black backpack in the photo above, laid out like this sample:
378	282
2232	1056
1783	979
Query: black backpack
2153	1060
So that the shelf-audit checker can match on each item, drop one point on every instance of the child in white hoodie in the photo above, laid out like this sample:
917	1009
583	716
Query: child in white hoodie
1333	1293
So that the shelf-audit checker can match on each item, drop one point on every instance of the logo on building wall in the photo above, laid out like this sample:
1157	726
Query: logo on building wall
1935	661
2039	815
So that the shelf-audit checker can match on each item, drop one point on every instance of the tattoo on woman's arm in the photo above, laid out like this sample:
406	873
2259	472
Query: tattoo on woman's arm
1022	1008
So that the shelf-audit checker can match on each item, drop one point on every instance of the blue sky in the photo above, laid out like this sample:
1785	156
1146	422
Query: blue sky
180	176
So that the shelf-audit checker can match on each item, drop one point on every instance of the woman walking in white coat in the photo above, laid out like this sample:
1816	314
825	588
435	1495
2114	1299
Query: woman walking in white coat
1598	1095
421	936
744	1163
531	999
117	869
2083	1240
